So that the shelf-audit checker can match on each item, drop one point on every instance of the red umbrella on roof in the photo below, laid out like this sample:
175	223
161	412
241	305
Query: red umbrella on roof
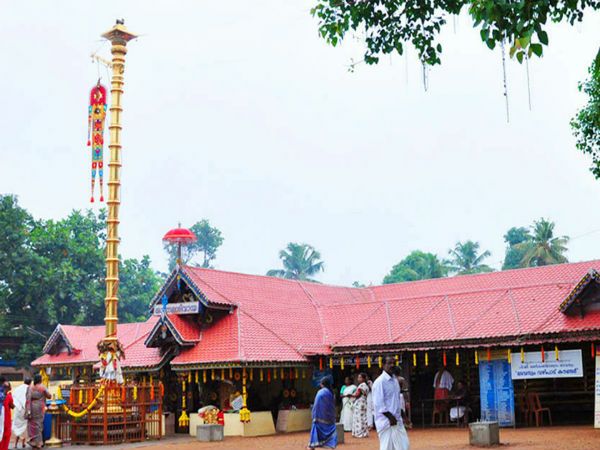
179	236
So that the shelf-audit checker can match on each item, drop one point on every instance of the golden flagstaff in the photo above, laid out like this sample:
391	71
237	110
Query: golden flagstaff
110	348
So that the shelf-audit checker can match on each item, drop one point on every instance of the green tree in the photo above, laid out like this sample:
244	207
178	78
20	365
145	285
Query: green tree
417	265
137	285
586	124
514	255
387	25
300	262
209	241
465	259
52	271
544	248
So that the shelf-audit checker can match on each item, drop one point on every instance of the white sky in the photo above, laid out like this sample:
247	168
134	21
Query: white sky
238	112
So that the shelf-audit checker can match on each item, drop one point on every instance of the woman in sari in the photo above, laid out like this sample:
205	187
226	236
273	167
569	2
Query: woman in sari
36	406
360	424
323	432
347	393
370	409
7	406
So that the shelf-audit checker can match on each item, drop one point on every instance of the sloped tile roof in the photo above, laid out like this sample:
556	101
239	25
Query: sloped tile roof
273	319
85	338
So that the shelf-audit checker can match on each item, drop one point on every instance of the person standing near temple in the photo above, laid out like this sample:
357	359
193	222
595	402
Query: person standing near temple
8	405
36	407
360	425
19	425
323	431
370	411
347	394
442	385
386	402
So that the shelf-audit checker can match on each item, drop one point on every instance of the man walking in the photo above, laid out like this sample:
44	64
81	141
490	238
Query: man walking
386	402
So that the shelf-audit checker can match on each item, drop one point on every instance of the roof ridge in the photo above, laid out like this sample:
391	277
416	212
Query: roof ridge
271	331
317	310
371	314
483	314
438	294
286	280
368	288
419	320
484	274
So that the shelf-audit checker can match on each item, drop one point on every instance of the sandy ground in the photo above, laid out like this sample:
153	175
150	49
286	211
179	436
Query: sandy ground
556	438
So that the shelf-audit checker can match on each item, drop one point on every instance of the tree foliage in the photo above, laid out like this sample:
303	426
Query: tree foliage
465	259
417	265
52	271
586	124
543	248
514	255
209	241
300	262
387	25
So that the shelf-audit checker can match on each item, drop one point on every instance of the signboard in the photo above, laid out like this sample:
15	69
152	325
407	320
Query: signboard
569	365
597	394
178	308
496	392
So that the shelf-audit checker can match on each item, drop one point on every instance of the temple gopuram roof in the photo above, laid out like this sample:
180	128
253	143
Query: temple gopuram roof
261	320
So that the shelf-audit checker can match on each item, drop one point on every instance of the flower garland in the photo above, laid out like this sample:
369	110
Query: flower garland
86	410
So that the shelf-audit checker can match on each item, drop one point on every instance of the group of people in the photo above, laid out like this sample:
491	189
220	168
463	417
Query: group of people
22	412
368	405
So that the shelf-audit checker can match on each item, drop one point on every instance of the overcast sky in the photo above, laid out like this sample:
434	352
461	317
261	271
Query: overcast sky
239	113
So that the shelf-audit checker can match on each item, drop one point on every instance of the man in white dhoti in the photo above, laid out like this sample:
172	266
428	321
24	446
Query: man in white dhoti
386	402
19	425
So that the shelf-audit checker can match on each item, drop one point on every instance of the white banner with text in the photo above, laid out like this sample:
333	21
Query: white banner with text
568	365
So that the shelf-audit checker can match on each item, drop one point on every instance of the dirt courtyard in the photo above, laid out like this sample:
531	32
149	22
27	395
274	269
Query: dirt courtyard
555	438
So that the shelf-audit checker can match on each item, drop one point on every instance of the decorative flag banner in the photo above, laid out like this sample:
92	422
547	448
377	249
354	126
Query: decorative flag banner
444	358
369	362
426	359
415	359
457	359
96	118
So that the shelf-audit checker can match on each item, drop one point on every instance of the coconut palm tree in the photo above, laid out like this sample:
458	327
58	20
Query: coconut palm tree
464	259
543	249
300	262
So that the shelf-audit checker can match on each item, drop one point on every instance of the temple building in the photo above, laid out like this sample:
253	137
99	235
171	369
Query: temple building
513	338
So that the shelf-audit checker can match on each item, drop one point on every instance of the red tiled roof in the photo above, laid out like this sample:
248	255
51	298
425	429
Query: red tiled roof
284	319
85	338
273	319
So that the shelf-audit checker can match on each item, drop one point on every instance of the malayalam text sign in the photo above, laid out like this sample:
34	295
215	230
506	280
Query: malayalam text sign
568	365
178	308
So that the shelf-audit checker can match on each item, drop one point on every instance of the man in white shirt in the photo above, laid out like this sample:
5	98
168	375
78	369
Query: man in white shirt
386	402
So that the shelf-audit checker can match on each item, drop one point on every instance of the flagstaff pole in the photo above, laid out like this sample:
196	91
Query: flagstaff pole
109	347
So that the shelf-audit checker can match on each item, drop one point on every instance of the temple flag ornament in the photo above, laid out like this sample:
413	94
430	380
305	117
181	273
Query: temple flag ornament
96	118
